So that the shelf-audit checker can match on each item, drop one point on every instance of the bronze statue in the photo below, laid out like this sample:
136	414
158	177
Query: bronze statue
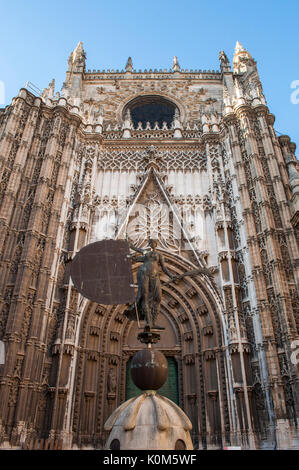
149	293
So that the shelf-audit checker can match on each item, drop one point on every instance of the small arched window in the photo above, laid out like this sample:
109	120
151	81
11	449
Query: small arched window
115	444
180	445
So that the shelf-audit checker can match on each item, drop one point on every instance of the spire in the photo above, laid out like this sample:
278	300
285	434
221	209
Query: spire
242	61
129	65
76	67
239	47
76	61
241	51
176	65
79	52
78	49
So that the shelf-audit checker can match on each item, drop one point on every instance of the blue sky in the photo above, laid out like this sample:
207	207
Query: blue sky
37	38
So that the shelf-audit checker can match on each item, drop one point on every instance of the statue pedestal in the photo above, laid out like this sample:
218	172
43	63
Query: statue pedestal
149	421
149	336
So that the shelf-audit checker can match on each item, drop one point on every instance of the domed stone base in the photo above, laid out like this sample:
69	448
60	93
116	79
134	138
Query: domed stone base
149	422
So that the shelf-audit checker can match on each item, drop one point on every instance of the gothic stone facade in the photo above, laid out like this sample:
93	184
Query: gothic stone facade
75	167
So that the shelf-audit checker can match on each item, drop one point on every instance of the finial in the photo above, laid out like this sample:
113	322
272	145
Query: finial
129	65
77	58
79	47
176	65
239	47
224	62
242	60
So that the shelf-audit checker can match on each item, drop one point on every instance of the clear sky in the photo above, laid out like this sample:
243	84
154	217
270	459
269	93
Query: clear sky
37	38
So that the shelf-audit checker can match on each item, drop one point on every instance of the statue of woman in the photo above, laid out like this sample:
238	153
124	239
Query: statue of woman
111	381
149	293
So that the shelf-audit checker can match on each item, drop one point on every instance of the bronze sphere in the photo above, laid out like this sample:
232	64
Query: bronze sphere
149	369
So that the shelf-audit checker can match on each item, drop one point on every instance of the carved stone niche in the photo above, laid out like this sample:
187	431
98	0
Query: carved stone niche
119	317
100	310
213	394
113	360
172	303
234	348
56	349
114	336
246	348
69	349
202	310
183	317
207	330
92	355
111	384
192	398
209	354
188	336
189	359
94	330
191	292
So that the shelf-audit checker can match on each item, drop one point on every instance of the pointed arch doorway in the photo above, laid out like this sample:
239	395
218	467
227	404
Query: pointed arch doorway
192	341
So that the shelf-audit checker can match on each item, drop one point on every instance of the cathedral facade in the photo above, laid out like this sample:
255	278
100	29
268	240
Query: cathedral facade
191	159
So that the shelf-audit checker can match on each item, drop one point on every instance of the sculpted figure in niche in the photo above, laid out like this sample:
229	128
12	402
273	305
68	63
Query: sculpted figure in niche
111	381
